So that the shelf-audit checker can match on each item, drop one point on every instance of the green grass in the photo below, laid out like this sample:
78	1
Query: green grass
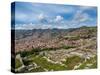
94	65
40	61
35	51
17	63
72	61
31	52
92	61
39	69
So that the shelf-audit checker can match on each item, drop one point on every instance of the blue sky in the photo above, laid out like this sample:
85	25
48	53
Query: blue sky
42	16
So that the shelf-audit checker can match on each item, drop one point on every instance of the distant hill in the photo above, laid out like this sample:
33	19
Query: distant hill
51	32
28	39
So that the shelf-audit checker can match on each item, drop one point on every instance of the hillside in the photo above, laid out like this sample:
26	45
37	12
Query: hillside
59	49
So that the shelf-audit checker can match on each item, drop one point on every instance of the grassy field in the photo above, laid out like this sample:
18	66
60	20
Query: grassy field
42	62
72	61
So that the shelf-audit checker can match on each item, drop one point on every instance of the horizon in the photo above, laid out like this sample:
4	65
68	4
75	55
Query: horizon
55	28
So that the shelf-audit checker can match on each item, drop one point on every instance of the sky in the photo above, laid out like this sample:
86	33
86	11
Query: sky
47	16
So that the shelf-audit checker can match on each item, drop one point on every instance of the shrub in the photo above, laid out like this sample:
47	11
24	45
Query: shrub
47	65
72	61
72	37
18	63
92	60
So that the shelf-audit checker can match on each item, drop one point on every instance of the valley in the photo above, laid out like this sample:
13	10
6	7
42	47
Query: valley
40	50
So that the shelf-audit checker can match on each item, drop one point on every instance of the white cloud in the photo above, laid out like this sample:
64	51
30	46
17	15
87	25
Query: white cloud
58	18
41	16
84	17
55	19
81	17
31	26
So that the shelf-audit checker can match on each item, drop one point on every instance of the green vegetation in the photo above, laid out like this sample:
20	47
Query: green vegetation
40	61
31	52
67	47
89	32
84	33
36	51
48	49
25	53
72	61
71	37
94	65
39	69
81	40
18	63
27	62
92	61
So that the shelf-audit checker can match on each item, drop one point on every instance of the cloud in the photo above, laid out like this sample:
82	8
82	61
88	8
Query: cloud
42	18
33	11
24	26
58	18
81	17
41	15
32	26
46	19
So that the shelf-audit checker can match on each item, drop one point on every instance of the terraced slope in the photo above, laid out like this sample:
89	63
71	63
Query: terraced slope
56	49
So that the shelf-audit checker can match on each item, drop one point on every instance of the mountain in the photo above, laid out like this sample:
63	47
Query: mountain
55	49
51	37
